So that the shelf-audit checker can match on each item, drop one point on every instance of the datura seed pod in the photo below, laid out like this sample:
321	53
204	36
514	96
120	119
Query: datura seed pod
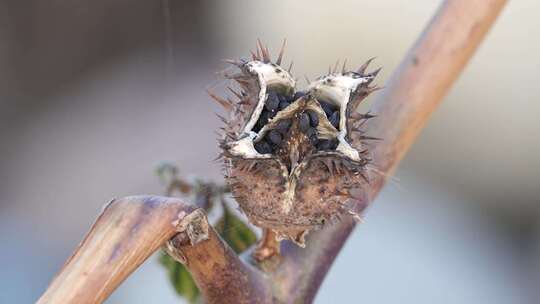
295	160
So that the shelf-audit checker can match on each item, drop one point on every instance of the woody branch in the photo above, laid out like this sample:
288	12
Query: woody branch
129	230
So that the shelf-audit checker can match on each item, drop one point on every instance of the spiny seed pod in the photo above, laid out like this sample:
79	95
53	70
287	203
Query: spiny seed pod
294	160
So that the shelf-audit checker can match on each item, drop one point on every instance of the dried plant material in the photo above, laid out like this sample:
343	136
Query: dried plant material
294	158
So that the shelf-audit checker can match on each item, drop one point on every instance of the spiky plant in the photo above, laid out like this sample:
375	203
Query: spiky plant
295	160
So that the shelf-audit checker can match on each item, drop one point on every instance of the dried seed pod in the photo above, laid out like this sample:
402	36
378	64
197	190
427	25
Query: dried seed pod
339	95
289	166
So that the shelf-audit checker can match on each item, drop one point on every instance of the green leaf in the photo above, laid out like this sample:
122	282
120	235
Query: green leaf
180	278
235	232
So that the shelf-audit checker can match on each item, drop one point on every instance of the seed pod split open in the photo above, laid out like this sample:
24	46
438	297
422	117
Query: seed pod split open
292	158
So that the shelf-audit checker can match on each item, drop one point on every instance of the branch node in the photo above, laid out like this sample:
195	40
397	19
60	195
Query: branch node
194	225
192	229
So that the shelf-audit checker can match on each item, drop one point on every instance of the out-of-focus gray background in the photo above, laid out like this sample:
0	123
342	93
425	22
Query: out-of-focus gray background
93	94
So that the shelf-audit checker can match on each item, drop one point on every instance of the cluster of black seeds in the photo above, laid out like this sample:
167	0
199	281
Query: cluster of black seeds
332	112
274	138
307	123
273	104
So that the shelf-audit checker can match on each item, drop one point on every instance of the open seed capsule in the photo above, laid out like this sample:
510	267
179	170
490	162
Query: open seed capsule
290	162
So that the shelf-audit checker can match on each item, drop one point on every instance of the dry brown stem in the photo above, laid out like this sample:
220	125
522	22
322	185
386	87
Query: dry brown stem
220	275
128	231
267	247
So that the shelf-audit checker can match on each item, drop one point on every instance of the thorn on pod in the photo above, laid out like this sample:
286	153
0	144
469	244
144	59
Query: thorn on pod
254	56
224	103
364	66
235	62
235	93
263	51
335	69
281	52
344	67
373	74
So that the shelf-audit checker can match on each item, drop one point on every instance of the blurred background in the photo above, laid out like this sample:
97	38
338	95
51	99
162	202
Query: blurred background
94	94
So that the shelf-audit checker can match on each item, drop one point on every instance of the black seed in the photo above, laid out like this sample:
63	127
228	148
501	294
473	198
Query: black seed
258	126
272	102
313	118
298	94
311	132
284	125
265	116
312	135
283	104
326	144
262	121
263	147
327	108
303	122
274	137
334	119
